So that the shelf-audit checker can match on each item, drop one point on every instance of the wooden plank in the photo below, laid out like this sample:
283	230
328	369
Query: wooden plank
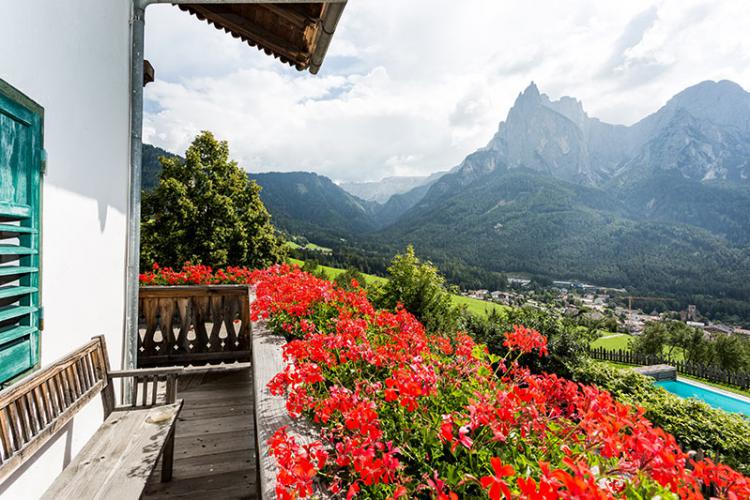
10	312
16	333
270	410
15	291
119	457
211	464
191	290
210	444
5	435
194	412
17	270
206	466
240	424
155	383
225	485
16	250
15	210
11	228
192	358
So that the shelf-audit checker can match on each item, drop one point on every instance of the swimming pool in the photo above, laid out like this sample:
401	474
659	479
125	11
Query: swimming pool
716	399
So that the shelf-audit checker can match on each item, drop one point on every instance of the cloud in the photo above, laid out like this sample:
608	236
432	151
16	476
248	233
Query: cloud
413	87
631	36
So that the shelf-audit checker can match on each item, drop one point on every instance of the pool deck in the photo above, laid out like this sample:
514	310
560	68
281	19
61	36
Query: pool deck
658	372
706	387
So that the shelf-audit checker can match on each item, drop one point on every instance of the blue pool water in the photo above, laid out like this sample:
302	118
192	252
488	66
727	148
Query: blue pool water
715	399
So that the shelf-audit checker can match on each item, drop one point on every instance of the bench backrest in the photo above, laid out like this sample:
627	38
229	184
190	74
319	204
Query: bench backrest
34	409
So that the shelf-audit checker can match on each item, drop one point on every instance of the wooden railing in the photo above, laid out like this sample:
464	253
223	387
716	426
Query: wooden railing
711	373
199	324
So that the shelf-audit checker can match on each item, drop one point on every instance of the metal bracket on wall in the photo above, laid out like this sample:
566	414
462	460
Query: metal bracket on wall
43	161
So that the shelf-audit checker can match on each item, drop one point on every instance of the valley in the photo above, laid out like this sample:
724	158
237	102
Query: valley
659	207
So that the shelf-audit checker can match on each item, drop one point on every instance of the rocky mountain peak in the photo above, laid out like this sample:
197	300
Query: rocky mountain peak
530	94
722	103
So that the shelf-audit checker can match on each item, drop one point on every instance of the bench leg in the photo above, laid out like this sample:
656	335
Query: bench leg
167	458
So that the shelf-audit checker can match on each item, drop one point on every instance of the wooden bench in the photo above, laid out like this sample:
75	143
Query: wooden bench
118	460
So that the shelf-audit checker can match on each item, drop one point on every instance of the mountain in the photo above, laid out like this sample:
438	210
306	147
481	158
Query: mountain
151	166
661	205
381	191
313	205
704	132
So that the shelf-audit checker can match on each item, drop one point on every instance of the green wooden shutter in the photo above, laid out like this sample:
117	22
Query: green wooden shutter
20	207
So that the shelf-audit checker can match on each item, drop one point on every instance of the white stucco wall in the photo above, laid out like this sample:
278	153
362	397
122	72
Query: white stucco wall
72	58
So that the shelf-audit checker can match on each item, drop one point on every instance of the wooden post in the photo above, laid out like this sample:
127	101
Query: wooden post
167	458
102	369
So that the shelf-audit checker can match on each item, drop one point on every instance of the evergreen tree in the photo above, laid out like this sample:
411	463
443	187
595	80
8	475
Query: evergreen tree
206	210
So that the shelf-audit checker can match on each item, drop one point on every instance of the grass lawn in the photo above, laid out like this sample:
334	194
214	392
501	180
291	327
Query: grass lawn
617	341
475	306
478	307
613	342
332	272
309	246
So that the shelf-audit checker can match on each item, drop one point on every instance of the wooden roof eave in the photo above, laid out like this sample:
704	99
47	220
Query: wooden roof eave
329	21
305	50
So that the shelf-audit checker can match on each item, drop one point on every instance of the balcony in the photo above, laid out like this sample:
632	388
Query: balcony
215	451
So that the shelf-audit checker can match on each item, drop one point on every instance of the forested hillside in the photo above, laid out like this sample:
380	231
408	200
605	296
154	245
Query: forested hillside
659	207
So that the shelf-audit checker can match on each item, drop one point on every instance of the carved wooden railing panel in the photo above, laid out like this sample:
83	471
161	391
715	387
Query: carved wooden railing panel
193	324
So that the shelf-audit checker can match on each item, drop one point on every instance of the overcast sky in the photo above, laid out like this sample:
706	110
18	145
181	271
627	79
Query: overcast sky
410	87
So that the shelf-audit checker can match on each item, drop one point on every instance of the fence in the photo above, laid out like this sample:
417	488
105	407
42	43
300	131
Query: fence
193	324
711	373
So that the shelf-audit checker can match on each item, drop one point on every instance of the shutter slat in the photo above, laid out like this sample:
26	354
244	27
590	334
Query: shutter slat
10	312
10	228
16	332
16	291
14	270
16	250
14	210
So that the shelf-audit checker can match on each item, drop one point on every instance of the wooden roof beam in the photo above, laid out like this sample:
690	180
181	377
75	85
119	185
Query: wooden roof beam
224	16
293	17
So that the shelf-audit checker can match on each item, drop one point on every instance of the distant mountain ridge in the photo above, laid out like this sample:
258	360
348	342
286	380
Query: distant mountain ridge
662	205
381	191
307	203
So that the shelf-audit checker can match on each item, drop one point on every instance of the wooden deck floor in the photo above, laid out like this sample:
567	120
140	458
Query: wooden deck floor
214	441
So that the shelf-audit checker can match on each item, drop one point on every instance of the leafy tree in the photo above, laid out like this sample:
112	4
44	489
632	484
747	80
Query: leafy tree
344	280
421	289
310	266
206	210
695	347
728	352
313	267
655	338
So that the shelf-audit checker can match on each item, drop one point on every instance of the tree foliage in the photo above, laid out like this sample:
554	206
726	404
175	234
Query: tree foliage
421	289
731	352
345	279
566	341
206	210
